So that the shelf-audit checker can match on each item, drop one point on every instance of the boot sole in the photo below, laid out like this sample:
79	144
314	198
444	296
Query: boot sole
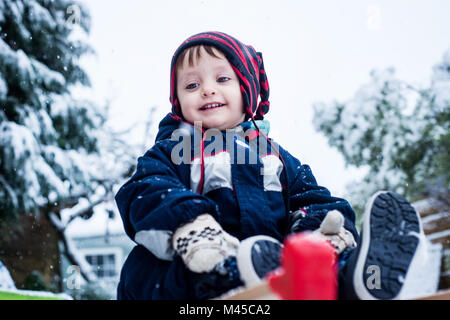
390	240
256	257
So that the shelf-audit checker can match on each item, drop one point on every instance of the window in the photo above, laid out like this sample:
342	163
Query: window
105	262
104	266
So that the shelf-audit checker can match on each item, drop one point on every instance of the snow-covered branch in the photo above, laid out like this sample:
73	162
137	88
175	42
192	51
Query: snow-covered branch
71	251
83	206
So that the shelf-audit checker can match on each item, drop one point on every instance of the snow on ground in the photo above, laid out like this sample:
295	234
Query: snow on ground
6	281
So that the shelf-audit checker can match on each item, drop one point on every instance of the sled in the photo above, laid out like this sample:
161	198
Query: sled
313	267
263	292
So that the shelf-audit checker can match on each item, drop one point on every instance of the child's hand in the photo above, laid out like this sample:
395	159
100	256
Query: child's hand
332	229
202	244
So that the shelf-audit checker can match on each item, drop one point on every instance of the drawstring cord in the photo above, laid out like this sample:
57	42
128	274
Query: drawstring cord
202	161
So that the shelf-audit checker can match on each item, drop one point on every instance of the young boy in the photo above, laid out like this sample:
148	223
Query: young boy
213	199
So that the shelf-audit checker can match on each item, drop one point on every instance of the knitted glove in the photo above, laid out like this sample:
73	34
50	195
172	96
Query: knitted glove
332	228
202	244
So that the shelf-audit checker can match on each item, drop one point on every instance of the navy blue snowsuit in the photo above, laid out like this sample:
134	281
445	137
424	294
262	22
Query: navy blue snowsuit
247	198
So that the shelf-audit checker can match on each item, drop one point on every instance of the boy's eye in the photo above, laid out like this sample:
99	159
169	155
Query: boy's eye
223	79
191	86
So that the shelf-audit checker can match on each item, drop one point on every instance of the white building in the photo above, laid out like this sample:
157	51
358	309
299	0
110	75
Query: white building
102	242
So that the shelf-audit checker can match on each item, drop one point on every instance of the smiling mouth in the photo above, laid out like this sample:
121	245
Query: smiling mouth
212	106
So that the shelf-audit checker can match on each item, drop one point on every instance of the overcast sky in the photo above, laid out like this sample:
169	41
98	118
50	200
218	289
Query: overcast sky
312	50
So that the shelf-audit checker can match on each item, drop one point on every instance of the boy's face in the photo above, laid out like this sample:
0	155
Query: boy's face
209	91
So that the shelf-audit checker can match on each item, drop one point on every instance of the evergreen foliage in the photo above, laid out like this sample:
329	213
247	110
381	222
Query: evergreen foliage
400	133
48	137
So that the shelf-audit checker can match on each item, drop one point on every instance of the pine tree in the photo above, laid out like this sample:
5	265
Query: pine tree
59	157
400	133
56	150
47	136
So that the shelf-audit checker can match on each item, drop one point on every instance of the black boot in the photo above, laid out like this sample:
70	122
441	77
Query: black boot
381	265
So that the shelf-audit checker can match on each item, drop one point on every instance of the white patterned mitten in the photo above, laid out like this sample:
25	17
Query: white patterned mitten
202	244
332	228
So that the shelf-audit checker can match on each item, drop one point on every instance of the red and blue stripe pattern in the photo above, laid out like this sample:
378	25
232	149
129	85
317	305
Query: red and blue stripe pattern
246	63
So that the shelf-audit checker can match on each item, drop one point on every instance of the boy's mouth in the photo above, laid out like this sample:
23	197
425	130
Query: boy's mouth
212	106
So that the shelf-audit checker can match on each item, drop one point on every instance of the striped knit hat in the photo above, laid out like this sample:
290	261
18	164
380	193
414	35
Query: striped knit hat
246	63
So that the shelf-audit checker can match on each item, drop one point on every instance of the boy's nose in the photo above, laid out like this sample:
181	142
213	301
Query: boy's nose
208	92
